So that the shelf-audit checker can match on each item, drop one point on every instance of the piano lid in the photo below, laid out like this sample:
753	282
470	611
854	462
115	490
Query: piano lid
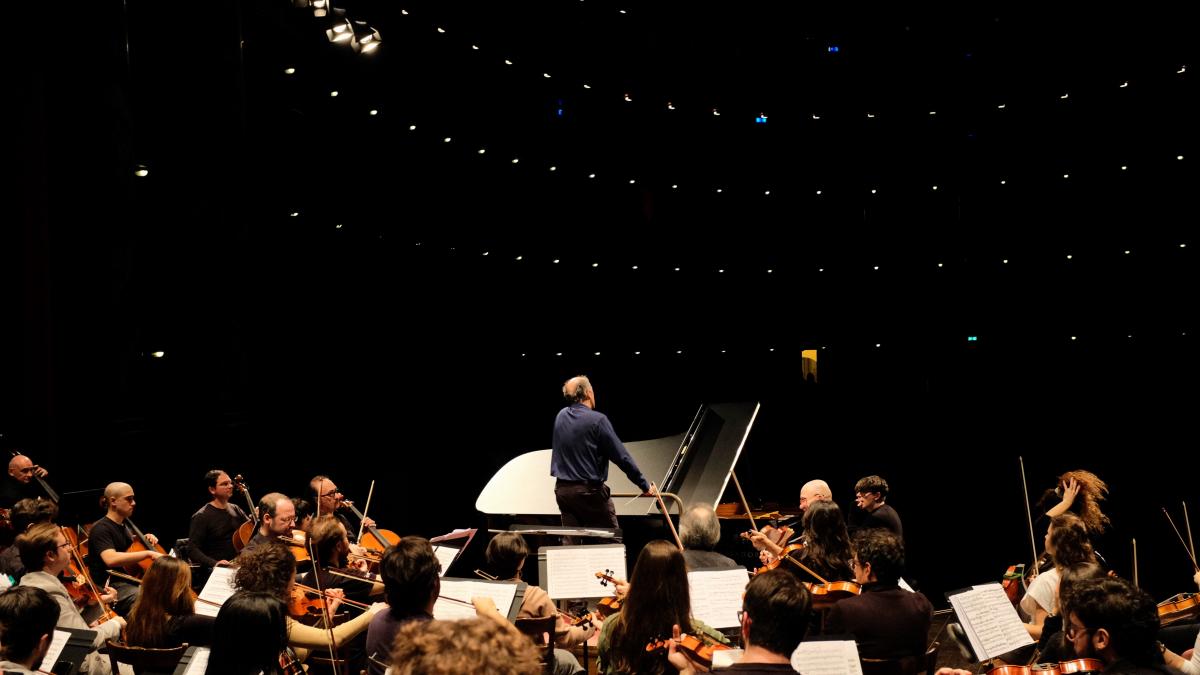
695	465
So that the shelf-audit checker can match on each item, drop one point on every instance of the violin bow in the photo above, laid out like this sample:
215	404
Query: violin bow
1188	526
312	555
1135	574
1028	514
746	504
363	521
1181	541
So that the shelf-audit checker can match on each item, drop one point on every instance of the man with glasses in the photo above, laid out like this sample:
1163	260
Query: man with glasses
18	484
210	535
328	499
870	493
276	518
1112	620
109	541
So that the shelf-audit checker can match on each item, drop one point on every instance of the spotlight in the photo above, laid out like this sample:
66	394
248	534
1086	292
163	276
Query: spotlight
339	29
366	39
320	8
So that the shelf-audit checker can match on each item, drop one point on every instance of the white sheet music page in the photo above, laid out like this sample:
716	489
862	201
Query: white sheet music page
56	647
198	663
445	555
717	595
216	590
827	657
990	621
571	570
465	589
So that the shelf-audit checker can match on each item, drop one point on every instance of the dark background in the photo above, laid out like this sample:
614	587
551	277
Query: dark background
389	331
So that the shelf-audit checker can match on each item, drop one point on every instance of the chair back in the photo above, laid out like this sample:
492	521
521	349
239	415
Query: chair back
144	660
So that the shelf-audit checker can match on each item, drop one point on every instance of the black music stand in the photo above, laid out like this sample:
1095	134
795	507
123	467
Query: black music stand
78	646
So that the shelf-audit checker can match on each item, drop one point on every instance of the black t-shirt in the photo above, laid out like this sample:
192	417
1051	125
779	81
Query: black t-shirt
883	517
210	536
13	491
105	534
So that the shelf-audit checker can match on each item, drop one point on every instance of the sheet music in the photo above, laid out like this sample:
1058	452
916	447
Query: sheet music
571	570
827	657
723	658
198	663
465	589
57	643
904	584
717	596
217	590
445	555
990	621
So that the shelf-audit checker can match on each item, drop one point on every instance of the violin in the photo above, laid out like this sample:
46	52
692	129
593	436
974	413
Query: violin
1179	607
612	604
245	531
832	591
697	648
785	553
289	663
1063	668
374	539
297	545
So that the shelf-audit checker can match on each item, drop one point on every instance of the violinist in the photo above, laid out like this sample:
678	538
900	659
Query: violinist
1116	622
826	545
775	612
814	491
250	633
25	513
329	499
886	621
506	555
210	536
1178	663
276	517
870	496
1080	492
165	612
27	620
478	645
19	483
305	512
110	539
412	584
699	530
1068	545
331	547
46	552
659	598
1053	647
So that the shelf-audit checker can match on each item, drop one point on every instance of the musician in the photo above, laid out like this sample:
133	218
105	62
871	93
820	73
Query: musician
27	620
412	585
886	621
165	612
699	530
249	635
329	499
1053	647
46	552
331	549
870	495
478	645
1081	493
210	536
814	491
305	513
775	613
109	542
583	444
276	516
24	514
826	544
1177	662
1068	545
19	483
1116	622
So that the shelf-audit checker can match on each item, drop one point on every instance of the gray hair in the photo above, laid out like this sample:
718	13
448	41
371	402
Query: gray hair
699	528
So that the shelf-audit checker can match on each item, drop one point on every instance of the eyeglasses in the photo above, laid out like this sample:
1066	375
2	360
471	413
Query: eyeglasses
740	614
1073	631
331	493
65	544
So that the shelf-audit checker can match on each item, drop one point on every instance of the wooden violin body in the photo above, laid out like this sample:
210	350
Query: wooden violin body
1179	607
698	649
1064	668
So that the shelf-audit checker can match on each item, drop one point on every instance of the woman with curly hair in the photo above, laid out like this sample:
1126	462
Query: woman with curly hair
1081	493
479	645
658	600
164	614
1068	545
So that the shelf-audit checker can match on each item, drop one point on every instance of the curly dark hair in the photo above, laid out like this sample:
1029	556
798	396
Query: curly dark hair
1127	612
267	568
1092	491
1069	539
476	645
884	551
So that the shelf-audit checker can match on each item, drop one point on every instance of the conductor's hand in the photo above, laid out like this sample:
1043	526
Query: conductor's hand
652	492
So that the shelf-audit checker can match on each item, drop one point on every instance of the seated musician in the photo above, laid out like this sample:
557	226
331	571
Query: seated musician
506	555
813	491
1068	545
1080	493
164	614
24	514
331	548
1112	620
1178	663
1053	646
479	645
27	619
658	599
411	583
886	621
276	516
870	495
19	483
699	530
826	548
305	513
250	635
46	552
109	542
329	499
271	568
210	536
775	613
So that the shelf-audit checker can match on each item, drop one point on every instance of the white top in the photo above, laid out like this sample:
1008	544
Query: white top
1043	592
1192	667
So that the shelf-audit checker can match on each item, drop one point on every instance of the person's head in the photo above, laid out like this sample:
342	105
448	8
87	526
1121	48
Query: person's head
658	598
326	494
304	513
870	493
775	612
1092	491
220	485
1067	541
29	511
44	548
826	535
578	389
1110	619
476	645
506	554
330	541
118	499
277	514
878	557
248	635
166	592
699	528
28	616
814	491
410	576
1069	577
267	568
20	468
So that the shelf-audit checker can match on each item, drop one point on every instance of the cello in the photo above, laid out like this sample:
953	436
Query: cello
141	543
245	531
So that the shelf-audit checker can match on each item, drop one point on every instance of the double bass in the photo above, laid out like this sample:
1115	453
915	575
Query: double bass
245	531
